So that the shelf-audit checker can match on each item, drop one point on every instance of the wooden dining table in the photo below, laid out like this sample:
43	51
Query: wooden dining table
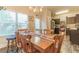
39	42
42	44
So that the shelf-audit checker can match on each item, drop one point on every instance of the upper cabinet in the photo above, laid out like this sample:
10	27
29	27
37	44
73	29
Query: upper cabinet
77	18
70	20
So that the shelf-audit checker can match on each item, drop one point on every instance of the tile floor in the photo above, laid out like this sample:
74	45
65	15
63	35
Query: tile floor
3	42
65	48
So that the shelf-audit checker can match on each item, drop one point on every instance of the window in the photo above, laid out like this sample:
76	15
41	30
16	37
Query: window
37	23
11	21
7	23
43	24
22	21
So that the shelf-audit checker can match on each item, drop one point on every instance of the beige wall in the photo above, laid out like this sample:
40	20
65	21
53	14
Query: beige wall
31	23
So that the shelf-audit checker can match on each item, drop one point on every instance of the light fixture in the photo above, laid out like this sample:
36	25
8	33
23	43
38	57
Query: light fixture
34	10
62	12
40	9
30	7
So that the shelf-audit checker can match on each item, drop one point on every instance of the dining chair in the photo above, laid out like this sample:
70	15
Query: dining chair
45	31
58	42
48	31
26	44
18	39
18	42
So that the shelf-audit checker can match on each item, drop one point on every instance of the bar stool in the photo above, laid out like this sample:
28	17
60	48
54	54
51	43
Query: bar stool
10	39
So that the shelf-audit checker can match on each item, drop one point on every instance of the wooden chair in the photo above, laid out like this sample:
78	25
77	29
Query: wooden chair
18	38
47	31
18	42
23	30
26	44
57	44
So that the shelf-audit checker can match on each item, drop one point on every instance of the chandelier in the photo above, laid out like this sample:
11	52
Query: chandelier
36	9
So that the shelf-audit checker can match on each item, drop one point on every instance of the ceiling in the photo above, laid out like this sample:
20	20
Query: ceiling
60	8
53	9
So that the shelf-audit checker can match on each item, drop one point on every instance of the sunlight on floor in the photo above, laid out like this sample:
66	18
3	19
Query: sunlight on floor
3	42
66	46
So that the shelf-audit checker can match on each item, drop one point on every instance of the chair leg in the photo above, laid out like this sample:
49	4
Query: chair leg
8	46
12	42
17	49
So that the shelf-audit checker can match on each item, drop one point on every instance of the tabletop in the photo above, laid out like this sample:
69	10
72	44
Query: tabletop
40	42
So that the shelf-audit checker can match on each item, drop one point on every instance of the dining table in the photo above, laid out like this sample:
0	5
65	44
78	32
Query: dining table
39	41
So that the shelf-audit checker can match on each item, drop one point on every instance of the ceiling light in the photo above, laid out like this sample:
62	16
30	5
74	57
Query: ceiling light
61	12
